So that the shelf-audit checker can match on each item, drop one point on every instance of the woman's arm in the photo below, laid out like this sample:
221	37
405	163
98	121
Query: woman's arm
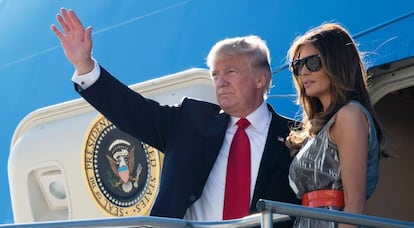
351	133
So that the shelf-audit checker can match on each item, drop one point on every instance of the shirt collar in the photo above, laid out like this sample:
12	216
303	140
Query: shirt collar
258	118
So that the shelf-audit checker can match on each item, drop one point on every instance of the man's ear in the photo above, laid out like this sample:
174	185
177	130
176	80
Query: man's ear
261	79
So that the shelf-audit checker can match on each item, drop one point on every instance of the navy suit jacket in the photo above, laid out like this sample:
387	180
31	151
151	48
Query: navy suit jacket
190	135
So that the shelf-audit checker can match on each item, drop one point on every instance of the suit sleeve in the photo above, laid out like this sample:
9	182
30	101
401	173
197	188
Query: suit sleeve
142	118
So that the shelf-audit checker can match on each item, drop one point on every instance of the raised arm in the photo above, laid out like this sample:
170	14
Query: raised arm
75	40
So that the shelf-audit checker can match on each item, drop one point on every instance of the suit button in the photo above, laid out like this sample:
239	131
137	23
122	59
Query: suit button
192	198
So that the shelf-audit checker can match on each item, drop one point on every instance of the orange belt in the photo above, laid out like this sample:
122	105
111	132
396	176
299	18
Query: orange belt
323	198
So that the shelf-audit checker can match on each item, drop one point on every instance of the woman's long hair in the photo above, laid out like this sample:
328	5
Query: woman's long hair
343	64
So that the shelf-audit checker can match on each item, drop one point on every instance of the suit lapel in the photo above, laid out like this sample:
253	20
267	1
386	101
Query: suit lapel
268	165
214	138
274	146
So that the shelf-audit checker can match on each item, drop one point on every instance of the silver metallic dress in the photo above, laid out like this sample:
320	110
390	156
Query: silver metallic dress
316	167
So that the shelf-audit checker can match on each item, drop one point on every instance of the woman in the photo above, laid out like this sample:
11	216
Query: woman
338	145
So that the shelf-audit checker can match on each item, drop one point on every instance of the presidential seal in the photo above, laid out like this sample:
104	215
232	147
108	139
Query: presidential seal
122	173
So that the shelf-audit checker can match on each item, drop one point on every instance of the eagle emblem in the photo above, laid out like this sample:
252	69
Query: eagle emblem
122	173
121	159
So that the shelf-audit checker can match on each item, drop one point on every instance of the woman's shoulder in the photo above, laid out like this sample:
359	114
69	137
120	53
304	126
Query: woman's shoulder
350	123
352	115
350	110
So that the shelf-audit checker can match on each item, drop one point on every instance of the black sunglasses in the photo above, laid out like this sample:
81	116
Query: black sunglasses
313	63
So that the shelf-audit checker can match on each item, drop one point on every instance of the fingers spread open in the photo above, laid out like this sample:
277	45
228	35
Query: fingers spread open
75	22
62	23
58	33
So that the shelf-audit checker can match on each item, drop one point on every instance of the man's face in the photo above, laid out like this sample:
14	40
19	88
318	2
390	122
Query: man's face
239	88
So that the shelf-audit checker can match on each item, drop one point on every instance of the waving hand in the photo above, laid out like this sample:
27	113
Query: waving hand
75	40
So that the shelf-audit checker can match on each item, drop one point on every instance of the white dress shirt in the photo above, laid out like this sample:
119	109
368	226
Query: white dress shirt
86	80
210	205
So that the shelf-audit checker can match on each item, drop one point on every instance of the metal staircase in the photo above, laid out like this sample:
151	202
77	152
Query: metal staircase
271	213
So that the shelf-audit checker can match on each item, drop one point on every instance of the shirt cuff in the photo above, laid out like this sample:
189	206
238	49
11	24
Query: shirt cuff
86	80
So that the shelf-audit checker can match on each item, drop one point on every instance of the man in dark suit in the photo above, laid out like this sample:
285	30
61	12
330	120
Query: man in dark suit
194	135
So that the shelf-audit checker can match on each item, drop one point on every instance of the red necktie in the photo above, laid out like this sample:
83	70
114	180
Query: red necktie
237	191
